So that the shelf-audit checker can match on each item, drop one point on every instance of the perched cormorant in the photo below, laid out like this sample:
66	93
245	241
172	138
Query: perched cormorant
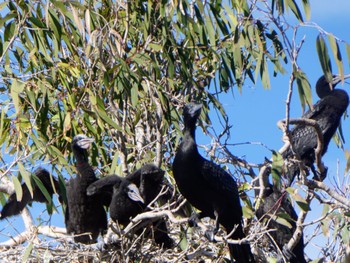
148	179
129	196
85	215
208	187
14	207
126	202
274	204
327	112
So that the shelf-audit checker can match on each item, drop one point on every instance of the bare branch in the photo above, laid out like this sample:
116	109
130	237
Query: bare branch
299	225
313	184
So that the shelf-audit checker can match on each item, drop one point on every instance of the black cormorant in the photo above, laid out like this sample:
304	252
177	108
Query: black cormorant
14	207
208	187
276	204
126	202
327	112
129	196
85	215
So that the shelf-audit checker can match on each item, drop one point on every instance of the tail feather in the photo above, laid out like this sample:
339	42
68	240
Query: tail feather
240	253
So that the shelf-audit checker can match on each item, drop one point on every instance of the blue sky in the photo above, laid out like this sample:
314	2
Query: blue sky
254	113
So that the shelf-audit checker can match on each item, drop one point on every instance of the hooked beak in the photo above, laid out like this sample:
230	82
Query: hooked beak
85	143
134	193
196	108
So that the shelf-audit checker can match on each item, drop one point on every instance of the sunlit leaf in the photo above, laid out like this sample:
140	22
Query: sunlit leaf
304	89
295	9
42	188
16	88
277	166
336	53
18	188
27	252
307	9
26	177
323	56
305	206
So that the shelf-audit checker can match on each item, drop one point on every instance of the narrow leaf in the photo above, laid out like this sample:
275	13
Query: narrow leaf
323	56
42	188
336	53
27	252
26	177
348	51
16	88
304	89
18	188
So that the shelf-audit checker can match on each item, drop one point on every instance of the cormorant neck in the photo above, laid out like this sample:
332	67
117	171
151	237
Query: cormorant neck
81	155
189	139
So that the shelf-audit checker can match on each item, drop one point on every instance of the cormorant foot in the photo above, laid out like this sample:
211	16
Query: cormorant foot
320	176
210	235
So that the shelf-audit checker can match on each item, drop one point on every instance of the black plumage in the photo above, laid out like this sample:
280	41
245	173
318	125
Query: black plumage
207	186
104	188
85	215
14	207
126	202
129	196
327	112
276	204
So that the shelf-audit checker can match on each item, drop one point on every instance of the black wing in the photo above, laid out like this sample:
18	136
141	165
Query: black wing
14	207
104	188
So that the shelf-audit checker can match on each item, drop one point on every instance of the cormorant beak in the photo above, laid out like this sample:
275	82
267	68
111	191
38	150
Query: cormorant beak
85	143
196	108
134	193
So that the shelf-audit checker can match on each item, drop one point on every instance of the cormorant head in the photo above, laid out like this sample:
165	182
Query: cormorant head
134	193
151	169
191	112
324	87
82	141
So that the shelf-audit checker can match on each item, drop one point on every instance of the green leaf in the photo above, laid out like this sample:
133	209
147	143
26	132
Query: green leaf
211	31
107	119
298	199
16	88
307	9
26	177
27	252
304	89
281	220
323	56
347	157
134	95
348	50
277	166
42	188
295	9
67	125
183	244
114	163
247	212
18	188
336	53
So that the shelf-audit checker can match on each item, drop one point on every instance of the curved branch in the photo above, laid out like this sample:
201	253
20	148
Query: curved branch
299	225
313	184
